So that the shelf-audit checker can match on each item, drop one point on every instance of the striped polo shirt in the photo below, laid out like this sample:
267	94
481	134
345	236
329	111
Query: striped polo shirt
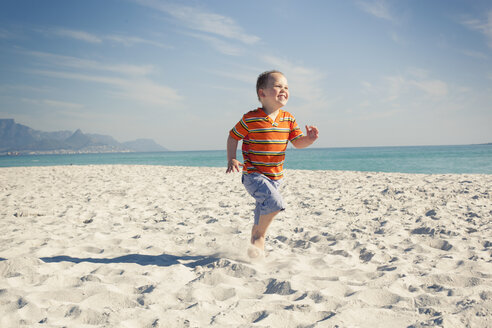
265	141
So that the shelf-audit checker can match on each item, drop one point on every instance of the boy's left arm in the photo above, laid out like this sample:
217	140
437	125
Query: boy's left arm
308	139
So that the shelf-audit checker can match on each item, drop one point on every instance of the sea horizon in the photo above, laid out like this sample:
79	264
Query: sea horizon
290	146
430	159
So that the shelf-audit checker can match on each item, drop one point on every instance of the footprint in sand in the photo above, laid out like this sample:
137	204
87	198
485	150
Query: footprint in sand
222	294
279	287
378	297
440	244
145	289
93	250
258	316
366	255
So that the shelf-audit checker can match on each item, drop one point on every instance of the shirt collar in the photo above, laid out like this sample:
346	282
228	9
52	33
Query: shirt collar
277	119
280	111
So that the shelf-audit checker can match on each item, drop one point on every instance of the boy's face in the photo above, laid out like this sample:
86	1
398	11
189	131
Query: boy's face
276	94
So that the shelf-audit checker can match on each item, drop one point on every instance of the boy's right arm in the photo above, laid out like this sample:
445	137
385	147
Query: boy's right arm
232	163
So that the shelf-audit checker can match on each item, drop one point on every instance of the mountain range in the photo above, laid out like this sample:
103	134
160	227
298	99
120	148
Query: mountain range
18	138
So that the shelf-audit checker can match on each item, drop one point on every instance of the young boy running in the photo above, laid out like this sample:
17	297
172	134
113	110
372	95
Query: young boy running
265	133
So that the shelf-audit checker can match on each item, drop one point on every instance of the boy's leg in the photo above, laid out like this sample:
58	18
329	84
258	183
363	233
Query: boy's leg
259	231
268	201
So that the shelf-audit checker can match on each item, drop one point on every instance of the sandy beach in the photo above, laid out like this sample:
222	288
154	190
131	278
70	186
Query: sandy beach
153	246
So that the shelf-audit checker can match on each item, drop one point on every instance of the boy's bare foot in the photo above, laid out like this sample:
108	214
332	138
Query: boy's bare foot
258	242
257	246
258	235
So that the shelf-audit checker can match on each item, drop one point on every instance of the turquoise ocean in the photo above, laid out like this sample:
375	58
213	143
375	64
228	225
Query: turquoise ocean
408	159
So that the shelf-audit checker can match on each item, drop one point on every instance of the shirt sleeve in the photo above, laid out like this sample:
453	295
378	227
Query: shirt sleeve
295	131
240	130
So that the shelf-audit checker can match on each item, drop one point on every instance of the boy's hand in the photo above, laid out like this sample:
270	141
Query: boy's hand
234	165
312	132
307	139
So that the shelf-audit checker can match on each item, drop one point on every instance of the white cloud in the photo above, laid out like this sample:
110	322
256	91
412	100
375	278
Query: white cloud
475	54
9	88
220	45
140	89
378	114
398	87
393	87
53	103
148	92
242	74
79	63
74	34
131	40
4	34
62	104
201	20
124	81
126	69
377	8
420	78
418	72
397	38
97	39
483	26
367	85
435	88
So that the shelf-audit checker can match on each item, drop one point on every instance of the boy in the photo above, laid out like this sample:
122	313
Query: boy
265	133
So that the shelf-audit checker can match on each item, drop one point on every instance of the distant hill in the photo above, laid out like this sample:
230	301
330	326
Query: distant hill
18	138
143	145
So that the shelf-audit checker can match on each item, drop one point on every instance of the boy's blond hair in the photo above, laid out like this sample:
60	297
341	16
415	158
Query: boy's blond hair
262	80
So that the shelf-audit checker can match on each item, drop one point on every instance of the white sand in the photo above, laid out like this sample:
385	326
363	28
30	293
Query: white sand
149	246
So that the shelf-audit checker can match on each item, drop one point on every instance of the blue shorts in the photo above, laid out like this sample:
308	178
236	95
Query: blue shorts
265	192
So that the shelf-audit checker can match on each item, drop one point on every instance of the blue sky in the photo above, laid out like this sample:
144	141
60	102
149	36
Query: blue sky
367	73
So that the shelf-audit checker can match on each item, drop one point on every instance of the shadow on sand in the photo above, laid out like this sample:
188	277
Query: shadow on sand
164	260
